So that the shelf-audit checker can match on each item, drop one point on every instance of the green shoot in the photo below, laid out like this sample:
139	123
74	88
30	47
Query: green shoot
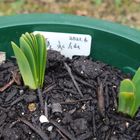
126	96
31	59
129	95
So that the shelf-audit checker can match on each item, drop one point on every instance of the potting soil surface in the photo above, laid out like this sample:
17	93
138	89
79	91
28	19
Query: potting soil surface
80	101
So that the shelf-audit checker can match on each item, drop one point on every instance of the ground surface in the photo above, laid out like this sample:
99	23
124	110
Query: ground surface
128	12
82	110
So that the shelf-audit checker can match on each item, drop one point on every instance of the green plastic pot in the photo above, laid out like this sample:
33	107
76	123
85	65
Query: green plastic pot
112	43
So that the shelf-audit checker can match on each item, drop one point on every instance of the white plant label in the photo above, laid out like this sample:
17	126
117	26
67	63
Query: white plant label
68	44
2	57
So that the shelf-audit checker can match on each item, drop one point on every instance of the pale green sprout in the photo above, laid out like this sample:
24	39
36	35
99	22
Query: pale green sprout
129	95
31	59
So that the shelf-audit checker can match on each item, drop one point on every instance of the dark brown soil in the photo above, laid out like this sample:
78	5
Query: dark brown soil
79	98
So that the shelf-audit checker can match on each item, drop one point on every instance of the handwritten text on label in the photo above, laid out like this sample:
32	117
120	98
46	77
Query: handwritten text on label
68	44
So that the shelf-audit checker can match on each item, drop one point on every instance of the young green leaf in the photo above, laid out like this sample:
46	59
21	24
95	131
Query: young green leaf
42	58
126	96
136	81
31	57
24	67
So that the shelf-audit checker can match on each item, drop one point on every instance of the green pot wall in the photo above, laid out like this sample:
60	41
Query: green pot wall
112	43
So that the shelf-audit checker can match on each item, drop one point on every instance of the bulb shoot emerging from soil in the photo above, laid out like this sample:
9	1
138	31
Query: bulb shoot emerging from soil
129	95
